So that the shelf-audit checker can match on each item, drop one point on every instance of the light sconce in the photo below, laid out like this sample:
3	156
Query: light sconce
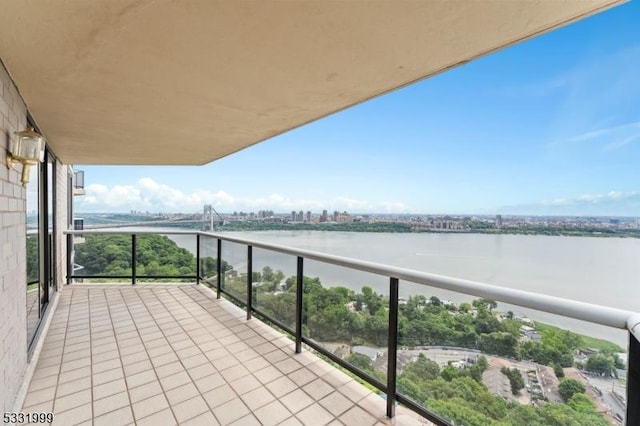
26	147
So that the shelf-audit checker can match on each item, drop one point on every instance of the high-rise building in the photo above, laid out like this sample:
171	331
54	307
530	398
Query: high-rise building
293	215
498	221
344	217
308	216
300	216
324	217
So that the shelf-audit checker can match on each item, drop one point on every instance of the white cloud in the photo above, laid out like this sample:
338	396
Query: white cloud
149	195
352	204
557	202
611	203
612	137
598	101
613	145
611	196
395	207
536	89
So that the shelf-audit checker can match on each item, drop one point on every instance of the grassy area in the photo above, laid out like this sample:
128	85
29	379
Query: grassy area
600	344
586	341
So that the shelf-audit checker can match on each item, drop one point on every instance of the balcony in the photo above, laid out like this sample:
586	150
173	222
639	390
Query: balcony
146	350
174	354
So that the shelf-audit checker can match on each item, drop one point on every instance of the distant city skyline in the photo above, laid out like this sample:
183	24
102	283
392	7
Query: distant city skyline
550	126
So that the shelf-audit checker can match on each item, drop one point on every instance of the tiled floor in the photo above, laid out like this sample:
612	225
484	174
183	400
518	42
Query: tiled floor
173	354
33	314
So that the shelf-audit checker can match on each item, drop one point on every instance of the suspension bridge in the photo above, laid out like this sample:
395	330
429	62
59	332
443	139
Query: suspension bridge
209	218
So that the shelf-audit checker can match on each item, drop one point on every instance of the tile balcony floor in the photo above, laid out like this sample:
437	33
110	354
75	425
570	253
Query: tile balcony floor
174	354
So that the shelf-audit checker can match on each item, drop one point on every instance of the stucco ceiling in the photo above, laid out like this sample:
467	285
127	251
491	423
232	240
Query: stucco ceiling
188	82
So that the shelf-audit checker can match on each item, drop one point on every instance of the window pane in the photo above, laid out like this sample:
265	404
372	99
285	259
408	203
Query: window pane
33	259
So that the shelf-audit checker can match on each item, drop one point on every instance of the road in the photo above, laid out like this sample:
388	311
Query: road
606	385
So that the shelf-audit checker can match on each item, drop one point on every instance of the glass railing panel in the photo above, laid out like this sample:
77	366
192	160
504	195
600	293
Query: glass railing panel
167	258
104	255
274	285
478	361
345	311
209	260
234	278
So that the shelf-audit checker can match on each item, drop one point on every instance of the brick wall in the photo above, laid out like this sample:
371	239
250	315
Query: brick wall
13	330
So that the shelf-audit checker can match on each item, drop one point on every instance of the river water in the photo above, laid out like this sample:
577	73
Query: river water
602	271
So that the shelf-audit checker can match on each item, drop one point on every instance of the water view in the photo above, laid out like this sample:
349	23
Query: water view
594	270
517	355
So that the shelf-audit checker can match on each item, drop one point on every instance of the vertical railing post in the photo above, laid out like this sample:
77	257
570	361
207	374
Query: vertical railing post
299	305
69	257
392	342
633	382
249	281
133	259
197	258
219	270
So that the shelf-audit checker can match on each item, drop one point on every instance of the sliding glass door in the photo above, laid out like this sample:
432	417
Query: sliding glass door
41	243
33	254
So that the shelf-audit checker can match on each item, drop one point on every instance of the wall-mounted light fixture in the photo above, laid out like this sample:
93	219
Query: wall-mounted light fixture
26	147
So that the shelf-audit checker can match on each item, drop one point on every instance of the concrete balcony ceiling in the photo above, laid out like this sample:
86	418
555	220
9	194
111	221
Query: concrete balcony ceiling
160	82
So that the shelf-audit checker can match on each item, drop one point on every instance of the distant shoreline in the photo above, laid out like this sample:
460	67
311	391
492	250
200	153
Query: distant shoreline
614	228
392	227
395	227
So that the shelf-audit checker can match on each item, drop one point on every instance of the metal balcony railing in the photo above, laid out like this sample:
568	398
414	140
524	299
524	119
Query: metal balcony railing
591	313
78	224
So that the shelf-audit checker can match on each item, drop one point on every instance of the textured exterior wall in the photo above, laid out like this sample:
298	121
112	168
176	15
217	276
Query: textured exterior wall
13	328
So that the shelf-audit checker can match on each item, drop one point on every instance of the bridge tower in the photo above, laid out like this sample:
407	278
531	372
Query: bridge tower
207	216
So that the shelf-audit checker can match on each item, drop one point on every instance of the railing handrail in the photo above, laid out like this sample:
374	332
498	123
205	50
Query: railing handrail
597	314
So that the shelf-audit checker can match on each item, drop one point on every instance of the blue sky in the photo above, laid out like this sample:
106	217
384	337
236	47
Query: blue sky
549	126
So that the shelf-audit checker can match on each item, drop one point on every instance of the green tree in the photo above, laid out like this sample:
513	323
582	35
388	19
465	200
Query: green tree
360	361
558	370
267	274
486	323
479	367
499	343
422	369
278	277
449	372
459	412
515	379
582	403
465	307
371	299
569	387
601	364
435	301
